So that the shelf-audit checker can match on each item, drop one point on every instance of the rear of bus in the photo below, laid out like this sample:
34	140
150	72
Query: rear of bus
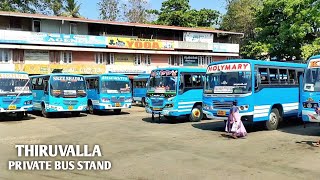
115	92
226	82
140	89
67	93
15	94
310	94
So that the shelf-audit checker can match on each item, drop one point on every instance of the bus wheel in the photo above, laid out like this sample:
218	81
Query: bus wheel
274	119
75	113
90	108
196	114
44	112
20	115
143	102
117	111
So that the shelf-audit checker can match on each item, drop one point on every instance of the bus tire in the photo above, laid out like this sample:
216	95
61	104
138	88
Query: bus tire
117	111
20	115
90	108
44	112
75	113
196	114
274	119
143	102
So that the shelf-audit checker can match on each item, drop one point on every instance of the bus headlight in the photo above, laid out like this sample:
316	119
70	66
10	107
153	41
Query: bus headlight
243	107
128	100
169	105
105	100
208	107
28	102
310	105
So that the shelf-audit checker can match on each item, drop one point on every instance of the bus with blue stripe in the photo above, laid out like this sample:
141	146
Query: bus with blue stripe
59	92
108	92
15	93
140	88
265	91
174	92
310	93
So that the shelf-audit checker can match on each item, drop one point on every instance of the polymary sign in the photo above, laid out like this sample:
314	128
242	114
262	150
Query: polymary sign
24	37
137	43
229	67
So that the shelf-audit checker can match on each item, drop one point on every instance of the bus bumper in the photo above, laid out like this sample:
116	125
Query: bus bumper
22	109
164	112
211	116
52	108
107	106
310	116
245	116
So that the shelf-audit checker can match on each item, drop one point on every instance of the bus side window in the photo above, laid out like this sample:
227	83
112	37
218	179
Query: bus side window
88	83
196	80
34	83
188	80
263	75
274	76
181	84
292	77
283	76
96	84
298	74
45	86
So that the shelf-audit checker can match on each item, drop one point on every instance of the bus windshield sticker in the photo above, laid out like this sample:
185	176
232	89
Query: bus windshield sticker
229	67
164	73
115	78
67	78
70	92
314	63
223	89
13	76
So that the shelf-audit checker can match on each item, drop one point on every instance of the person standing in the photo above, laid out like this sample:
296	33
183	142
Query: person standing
234	124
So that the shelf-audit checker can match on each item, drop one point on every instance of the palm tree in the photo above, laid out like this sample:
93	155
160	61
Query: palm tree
71	9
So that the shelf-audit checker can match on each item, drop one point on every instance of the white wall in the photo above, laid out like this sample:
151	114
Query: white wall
53	26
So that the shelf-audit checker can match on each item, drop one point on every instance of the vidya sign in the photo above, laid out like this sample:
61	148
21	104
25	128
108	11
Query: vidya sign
137	43
25	37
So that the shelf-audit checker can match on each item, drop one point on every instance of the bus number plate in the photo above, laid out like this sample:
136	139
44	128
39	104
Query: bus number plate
157	109
221	113
118	104
70	107
12	107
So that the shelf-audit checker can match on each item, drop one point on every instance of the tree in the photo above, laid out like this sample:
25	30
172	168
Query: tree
240	16
136	11
71	9
24	6
109	9
284	26
179	13
312	49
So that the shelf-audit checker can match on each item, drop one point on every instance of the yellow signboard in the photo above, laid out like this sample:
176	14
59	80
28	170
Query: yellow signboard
124	59
138	43
66	68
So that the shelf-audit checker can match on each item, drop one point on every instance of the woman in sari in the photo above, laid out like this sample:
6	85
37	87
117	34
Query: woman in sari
234	124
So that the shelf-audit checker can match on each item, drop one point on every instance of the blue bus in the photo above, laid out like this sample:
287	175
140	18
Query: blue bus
140	88
174	92
15	94
108	92
59	92
310	91
265	91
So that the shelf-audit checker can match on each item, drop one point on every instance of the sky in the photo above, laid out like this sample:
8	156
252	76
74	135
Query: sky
89	8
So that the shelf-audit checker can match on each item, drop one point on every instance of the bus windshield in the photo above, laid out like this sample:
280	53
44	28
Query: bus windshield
113	86
162	84
312	79
69	85
14	84
232	82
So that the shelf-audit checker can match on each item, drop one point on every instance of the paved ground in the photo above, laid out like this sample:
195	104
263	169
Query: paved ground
140	149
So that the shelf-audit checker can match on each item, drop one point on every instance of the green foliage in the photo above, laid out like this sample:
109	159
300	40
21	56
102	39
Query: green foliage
24	6
309	50
179	13
71	9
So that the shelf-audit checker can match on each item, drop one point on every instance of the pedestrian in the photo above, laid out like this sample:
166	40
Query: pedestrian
234	124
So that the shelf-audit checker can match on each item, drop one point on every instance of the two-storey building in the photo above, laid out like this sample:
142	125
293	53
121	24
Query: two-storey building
39	44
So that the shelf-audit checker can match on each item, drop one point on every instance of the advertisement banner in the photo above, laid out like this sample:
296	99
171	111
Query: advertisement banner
198	37
41	38
66	68
137	43
225	48
190	61
192	45
124	59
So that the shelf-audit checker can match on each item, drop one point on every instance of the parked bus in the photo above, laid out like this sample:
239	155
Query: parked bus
59	92
15	93
310	91
140	88
174	92
265	91
108	92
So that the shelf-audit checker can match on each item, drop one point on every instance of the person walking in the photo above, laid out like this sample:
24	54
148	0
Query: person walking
234	124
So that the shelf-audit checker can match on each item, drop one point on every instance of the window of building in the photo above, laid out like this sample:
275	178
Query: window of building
101	58
15	23
175	60
18	56
54	57
137	59
73	28
110	60
148	59
66	57
201	60
36	26
208	60
5	55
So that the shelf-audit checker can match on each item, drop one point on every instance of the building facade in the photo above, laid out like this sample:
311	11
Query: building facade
38	44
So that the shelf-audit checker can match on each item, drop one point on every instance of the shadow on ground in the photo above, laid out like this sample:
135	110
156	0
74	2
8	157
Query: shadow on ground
59	115
107	113
164	120
13	118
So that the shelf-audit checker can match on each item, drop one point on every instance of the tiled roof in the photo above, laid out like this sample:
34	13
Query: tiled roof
41	16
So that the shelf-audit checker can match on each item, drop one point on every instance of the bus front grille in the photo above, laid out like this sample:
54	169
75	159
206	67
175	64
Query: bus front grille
222	105
10	100
157	102
70	102
117	99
